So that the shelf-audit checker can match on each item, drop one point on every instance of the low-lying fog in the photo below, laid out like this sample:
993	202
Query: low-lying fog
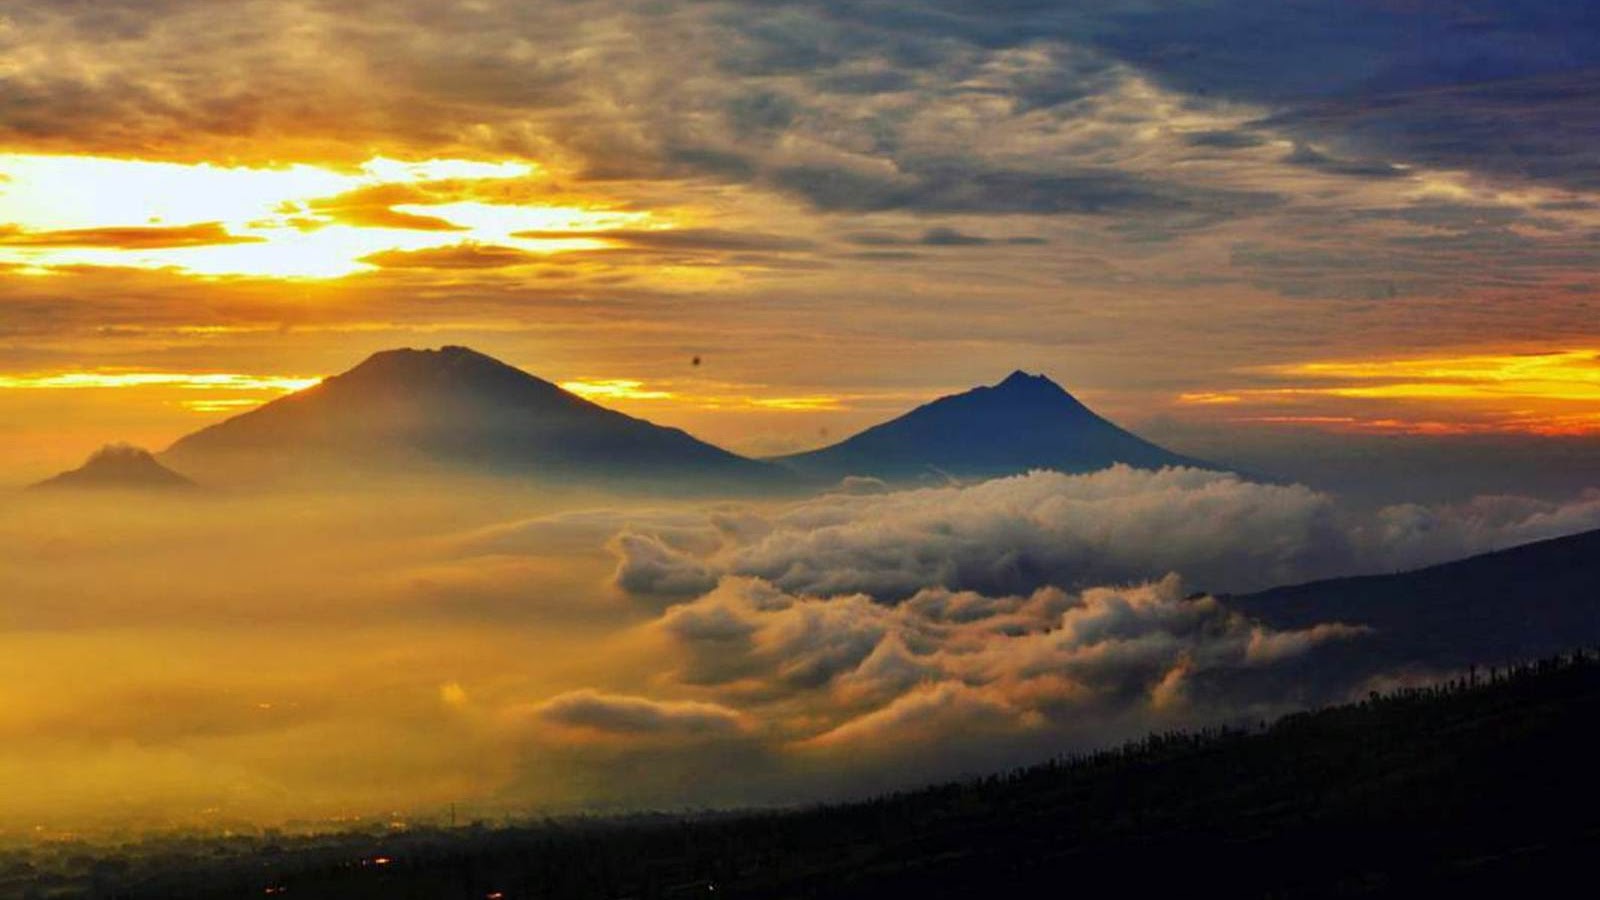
219	660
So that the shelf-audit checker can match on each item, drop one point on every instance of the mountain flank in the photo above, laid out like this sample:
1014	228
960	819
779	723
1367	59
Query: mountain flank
1024	422
454	409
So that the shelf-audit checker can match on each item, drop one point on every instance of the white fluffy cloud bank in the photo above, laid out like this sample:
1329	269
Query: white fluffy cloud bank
1119	525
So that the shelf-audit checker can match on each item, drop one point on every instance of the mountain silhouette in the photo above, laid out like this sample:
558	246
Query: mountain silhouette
1520	603
119	467
1024	422
406	411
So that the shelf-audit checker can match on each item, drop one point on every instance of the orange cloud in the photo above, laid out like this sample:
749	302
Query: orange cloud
374	207
141	237
465	255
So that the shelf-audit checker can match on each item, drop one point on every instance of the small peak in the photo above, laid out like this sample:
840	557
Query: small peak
120	452
119	465
413	360
1021	377
1036	391
451	368
399	354
1020	380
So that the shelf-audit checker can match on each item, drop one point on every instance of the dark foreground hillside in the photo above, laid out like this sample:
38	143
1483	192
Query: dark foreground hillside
1486	788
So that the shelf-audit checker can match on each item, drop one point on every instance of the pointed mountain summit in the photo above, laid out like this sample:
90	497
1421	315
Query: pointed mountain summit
406	411
119	467
1024	422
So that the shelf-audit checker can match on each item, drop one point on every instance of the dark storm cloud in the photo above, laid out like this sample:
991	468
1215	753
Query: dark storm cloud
1312	158
940	236
708	239
1225	140
1542	129
967	186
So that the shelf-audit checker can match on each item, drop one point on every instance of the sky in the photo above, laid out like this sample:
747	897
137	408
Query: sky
1234	226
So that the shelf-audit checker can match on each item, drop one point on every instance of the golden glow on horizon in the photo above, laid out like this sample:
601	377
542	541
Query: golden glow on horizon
1206	398
1565	375
1552	394
226	381
219	405
614	389
196	392
626	389
294	221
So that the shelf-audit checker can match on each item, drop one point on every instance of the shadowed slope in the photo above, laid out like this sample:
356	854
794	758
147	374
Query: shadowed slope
1024	422
1485	789
409	410
1519	603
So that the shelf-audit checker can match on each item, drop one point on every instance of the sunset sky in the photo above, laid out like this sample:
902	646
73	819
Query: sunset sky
1219	222
1343	253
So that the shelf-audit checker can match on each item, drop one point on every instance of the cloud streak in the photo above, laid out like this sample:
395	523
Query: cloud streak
612	715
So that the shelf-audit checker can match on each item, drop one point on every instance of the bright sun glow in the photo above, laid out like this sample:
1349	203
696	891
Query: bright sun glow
295	221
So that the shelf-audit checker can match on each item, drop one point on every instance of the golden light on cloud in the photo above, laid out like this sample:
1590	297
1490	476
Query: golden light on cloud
1549	394
814	403
294	221
195	392
1565	375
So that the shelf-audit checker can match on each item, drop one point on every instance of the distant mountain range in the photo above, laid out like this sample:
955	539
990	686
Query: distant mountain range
1024	422
411	412
119	467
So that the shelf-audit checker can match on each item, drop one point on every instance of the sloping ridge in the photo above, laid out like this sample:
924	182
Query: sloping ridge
461	409
1024	422
119	467
1519	603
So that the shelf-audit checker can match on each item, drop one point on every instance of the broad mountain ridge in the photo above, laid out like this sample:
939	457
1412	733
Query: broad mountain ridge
1023	422
405	410
1519	603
